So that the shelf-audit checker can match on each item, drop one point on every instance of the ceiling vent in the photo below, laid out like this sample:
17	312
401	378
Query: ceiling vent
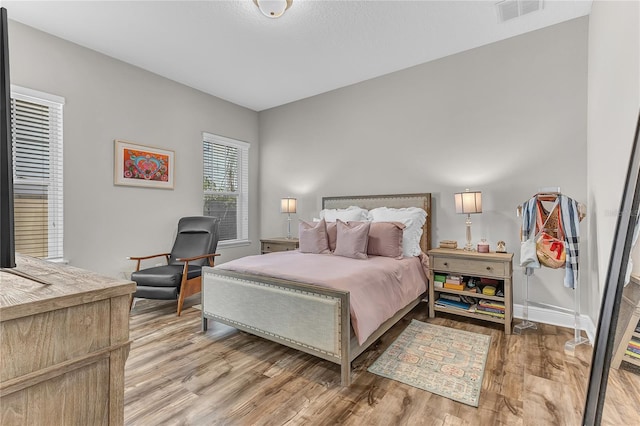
510	9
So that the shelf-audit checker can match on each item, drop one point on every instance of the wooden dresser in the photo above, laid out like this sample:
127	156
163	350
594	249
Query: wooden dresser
62	346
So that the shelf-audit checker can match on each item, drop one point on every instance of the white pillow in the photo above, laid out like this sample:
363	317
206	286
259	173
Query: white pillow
412	217
349	214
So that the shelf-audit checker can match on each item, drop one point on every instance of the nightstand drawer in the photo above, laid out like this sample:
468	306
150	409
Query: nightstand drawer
271	247
485	268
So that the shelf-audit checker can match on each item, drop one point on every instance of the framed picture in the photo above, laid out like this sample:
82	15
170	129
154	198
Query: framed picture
140	165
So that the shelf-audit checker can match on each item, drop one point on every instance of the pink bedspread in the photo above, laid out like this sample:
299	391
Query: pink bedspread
378	286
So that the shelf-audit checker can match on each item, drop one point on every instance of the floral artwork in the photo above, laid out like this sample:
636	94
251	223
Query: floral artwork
139	165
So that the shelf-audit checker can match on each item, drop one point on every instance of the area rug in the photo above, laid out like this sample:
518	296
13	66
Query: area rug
440	360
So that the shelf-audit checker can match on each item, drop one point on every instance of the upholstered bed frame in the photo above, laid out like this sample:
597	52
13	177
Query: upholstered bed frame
268	307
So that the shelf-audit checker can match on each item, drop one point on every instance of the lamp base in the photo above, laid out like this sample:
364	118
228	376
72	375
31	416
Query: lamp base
468	246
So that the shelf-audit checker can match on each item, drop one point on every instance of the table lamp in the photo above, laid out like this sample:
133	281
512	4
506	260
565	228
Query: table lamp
468	202
288	206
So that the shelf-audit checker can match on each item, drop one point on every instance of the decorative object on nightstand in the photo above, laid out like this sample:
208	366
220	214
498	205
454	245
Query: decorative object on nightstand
288	205
501	247
270	245
468	202
483	246
478	272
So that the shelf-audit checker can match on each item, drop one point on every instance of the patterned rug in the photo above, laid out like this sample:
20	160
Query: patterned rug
441	360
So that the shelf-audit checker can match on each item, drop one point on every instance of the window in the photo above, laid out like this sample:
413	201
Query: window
225	185
36	128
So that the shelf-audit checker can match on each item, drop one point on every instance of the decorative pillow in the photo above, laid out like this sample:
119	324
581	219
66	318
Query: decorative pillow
332	234
353	239
412	217
349	214
313	237
385	239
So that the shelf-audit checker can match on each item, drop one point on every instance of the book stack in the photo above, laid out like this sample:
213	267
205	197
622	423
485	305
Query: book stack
633	348
438	280
491	308
448	244
454	282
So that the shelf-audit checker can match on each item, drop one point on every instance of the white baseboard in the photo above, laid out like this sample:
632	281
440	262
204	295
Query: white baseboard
562	319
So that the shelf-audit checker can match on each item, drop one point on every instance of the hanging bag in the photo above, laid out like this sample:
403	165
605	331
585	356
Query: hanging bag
550	249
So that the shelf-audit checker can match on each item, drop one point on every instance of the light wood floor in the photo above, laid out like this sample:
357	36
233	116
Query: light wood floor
177	375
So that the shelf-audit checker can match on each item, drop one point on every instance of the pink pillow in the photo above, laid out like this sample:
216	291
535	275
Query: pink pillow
353	238
313	237
385	239
332	234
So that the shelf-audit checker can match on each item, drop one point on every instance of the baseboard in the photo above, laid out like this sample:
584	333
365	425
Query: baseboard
562	319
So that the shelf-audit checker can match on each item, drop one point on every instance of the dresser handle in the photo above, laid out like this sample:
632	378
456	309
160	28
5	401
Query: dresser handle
446	264
488	268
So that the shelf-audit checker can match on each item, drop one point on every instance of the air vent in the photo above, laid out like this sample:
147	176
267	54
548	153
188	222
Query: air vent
510	9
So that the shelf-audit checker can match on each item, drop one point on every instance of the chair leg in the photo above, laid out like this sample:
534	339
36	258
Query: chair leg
188	288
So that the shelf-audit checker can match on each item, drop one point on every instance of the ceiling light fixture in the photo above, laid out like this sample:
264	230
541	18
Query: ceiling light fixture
273	8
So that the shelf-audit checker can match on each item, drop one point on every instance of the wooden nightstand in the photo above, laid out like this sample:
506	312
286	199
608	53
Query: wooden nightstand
269	245
496	266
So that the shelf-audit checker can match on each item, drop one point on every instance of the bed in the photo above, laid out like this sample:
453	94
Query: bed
264	305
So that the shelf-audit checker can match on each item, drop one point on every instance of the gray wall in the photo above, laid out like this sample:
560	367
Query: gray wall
505	119
614	101
105	100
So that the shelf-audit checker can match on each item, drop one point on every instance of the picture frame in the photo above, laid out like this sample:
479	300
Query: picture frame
142	165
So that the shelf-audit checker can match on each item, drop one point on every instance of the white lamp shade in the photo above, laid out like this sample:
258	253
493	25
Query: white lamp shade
273	8
468	202
288	205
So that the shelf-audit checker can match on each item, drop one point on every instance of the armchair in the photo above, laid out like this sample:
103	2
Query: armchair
181	277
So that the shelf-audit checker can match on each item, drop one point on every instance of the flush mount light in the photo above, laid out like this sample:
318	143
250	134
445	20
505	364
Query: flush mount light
273	8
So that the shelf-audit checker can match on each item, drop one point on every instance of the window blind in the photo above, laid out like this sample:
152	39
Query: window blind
226	185
36	125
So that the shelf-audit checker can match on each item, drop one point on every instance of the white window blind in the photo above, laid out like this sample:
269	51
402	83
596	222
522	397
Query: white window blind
36	125
226	186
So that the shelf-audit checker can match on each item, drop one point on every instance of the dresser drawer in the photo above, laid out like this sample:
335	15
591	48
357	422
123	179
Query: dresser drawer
484	268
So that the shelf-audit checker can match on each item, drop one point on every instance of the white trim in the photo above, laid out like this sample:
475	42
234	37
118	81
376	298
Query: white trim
210	137
31	94
553	317
234	243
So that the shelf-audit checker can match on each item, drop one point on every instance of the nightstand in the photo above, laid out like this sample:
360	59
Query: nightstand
471	264
269	245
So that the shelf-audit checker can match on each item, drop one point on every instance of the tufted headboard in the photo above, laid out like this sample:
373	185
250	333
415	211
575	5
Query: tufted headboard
395	201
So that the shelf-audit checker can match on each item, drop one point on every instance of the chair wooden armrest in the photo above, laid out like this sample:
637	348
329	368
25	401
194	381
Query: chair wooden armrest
138	259
148	257
210	256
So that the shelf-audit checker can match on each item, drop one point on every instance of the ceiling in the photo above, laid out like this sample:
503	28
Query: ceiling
230	50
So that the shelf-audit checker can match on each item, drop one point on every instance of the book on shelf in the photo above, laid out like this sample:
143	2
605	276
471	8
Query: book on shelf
455	279
439	277
489	281
632	354
453	297
452	286
633	349
487	309
492	314
491	304
452	304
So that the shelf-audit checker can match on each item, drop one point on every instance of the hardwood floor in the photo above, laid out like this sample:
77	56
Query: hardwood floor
176	375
